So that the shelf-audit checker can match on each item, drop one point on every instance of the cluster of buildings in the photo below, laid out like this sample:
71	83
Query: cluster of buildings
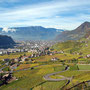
27	46
35	53
14	50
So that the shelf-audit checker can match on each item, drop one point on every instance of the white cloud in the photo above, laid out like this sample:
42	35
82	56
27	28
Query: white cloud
6	29
46	14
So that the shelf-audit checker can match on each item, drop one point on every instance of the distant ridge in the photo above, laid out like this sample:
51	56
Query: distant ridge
32	33
75	34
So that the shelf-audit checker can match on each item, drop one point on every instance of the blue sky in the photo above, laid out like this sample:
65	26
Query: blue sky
63	14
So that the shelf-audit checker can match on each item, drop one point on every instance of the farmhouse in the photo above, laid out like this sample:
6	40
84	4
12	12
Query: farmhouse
23	58
1	52
54	59
88	56
16	59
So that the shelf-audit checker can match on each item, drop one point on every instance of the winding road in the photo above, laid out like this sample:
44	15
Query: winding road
47	77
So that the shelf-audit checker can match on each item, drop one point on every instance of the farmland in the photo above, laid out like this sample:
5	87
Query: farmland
13	55
84	67
35	80
32	77
50	86
65	56
24	66
63	66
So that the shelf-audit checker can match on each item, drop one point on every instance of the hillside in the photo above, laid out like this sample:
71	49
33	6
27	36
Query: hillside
76	46
76	34
32	33
6	41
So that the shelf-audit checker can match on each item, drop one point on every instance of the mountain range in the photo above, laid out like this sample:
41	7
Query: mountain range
31	33
75	34
41	33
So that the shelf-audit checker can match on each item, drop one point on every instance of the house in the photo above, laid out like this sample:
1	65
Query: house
4	52
54	59
51	53
1	52
61	51
16	59
21	50
33	55
23	58
88	56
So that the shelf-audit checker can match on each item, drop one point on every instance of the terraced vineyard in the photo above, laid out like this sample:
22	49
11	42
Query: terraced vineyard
84	67
13	55
31	78
50	85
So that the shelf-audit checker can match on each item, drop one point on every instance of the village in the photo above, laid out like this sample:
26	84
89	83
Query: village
27	46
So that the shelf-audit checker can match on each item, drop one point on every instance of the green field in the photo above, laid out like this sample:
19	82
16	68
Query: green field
84	67
74	67
50	86
56	77
77	76
71	73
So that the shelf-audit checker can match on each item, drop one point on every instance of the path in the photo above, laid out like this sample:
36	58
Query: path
47	77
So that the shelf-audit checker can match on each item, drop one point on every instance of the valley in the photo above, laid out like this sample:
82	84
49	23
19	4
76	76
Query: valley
46	65
47	69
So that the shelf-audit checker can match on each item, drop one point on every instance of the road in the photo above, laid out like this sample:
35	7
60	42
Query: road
47	77
21	69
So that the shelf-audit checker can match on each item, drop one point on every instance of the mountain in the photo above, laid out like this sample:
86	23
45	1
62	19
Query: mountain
32	33
6	41
76	34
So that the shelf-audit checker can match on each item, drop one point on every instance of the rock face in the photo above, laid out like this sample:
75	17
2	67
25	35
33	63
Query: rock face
6	41
76	34
32	33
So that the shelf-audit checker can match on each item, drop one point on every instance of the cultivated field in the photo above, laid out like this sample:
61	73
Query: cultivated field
13	55
31	78
84	67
